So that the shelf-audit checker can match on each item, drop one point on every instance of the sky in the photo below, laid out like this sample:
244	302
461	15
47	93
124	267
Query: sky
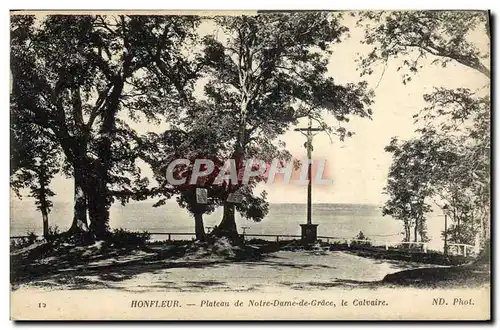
359	165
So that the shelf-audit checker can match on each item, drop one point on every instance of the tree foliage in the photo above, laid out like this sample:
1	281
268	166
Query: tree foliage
79	77
34	162
453	132
413	35
269	70
448	162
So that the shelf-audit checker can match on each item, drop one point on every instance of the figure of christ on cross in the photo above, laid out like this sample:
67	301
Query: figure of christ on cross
309	231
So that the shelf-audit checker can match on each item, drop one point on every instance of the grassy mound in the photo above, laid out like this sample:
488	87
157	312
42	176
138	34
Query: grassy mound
448	276
223	249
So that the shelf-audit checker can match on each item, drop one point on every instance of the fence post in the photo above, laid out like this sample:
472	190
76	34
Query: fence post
465	251
386	246
169	237
277	238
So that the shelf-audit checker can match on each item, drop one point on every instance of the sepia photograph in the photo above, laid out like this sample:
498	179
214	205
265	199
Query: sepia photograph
250	165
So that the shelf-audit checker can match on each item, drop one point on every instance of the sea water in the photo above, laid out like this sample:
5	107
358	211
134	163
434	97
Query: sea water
336	220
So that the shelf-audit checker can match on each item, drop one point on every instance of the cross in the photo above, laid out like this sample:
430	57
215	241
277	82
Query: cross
309	135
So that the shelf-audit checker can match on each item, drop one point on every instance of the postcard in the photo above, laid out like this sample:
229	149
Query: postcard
253	165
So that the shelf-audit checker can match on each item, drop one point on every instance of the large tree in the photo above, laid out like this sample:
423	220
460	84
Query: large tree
267	71
79	77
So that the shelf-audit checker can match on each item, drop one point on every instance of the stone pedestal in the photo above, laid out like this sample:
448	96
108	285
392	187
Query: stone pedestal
309	233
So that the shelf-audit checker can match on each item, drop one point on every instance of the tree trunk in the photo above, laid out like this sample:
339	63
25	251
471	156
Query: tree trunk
42	199
485	239
80	223
421	228
98	206
100	202
45	219
199	228
416	231
407	232
227	226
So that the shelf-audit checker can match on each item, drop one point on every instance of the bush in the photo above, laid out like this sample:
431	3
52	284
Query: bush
123	238
418	247
31	238
23	242
359	240
53	233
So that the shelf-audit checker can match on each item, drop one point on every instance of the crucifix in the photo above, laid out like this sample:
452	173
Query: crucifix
309	230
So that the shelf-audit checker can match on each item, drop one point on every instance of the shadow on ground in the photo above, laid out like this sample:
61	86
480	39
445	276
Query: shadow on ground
344	284
91	268
78	269
431	277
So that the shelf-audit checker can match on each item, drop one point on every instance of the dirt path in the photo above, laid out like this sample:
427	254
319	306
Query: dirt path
278	271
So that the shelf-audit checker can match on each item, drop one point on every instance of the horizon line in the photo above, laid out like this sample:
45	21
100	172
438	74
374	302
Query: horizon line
26	200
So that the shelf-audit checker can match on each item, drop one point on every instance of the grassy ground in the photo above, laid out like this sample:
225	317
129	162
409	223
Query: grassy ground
186	267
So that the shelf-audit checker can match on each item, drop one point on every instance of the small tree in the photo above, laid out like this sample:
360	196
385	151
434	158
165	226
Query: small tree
203	142
408	184
459	118
34	162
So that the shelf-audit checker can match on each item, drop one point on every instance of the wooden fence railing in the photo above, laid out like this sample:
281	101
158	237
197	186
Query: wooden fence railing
462	248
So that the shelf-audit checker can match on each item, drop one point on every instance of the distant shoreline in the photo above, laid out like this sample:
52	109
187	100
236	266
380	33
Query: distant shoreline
28	200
